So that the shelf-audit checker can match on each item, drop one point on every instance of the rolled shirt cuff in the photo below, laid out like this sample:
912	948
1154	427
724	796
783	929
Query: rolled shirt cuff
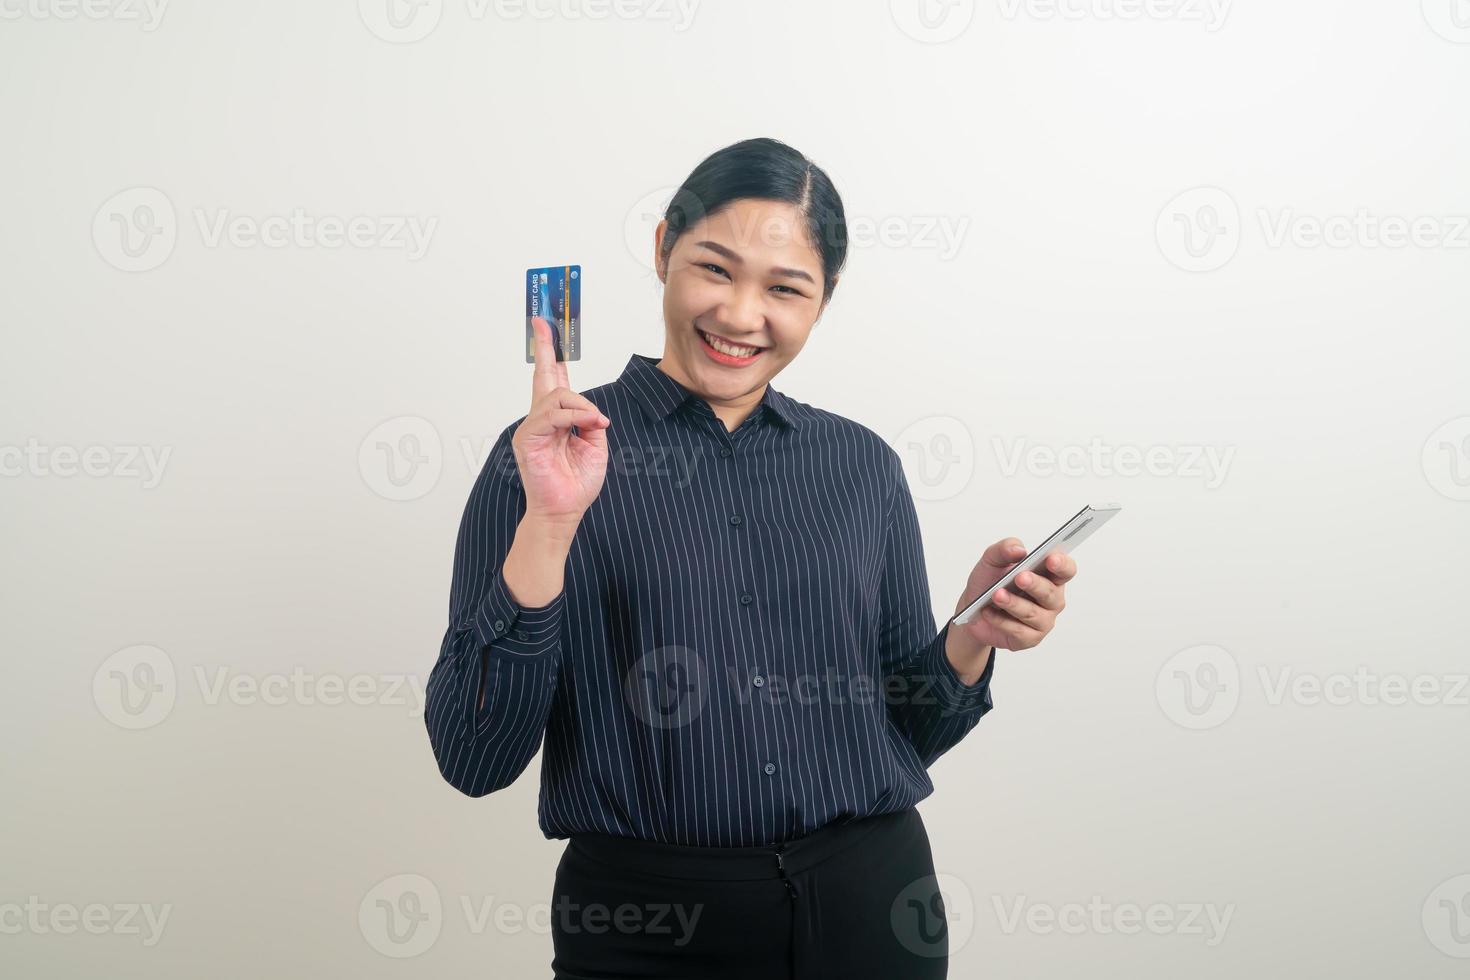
953	694
513	631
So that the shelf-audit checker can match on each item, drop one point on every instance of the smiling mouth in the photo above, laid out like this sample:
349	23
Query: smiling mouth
727	347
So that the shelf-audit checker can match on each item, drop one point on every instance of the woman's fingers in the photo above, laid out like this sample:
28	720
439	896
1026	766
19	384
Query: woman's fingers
1023	609
1060	568
1020	635
1042	591
559	409
565	418
1004	553
550	373
543	378
567	398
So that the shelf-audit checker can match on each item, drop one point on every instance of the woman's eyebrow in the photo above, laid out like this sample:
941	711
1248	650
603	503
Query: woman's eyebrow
777	270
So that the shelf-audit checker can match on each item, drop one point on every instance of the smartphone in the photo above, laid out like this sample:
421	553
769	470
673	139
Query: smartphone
1062	541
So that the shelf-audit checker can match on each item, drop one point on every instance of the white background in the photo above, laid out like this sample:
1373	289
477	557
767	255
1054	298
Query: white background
1096	242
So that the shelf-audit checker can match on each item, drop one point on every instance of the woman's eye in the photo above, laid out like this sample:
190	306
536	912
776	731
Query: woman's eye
793	292
714	268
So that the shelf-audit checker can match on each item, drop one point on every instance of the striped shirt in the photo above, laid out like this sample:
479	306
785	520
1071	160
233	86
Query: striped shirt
743	650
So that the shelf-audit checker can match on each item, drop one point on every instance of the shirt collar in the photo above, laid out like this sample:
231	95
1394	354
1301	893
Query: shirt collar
660	394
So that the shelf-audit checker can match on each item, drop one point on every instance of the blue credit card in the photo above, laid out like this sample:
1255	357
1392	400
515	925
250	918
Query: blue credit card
555	294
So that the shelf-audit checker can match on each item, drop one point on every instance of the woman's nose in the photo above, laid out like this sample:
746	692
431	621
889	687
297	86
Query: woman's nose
741	315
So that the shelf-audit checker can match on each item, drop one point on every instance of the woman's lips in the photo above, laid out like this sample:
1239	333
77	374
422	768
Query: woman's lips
722	357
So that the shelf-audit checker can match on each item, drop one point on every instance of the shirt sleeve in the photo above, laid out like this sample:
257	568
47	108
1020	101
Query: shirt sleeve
492	644
925	695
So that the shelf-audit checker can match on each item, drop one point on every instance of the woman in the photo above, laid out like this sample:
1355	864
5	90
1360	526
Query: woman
710	598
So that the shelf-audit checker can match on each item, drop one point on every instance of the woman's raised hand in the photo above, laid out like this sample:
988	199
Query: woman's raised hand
562	471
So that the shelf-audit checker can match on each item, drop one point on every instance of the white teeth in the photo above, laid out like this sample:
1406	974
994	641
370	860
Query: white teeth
725	348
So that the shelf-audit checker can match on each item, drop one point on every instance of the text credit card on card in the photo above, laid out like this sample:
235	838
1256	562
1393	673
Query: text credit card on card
555	294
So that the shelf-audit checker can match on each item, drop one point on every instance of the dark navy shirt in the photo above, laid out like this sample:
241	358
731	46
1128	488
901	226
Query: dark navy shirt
743	651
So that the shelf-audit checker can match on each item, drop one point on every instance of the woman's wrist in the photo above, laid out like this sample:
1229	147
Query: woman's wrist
967	655
554	532
535	566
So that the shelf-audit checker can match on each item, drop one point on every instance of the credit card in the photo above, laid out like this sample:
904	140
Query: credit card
555	294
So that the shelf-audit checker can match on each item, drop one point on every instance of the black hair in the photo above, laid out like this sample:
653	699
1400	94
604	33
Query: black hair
764	169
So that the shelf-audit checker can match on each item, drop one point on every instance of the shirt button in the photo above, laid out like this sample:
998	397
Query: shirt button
746	599
724	452
735	519
499	625
770	768
758	681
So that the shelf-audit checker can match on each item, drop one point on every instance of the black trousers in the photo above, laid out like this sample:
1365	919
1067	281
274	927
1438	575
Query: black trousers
850	901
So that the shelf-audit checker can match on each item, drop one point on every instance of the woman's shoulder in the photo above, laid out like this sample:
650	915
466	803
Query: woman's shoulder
827	429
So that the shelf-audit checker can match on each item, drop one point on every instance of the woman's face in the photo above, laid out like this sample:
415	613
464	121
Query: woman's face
747	276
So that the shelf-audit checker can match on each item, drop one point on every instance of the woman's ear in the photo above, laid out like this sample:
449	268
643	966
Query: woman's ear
826	301
659	267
